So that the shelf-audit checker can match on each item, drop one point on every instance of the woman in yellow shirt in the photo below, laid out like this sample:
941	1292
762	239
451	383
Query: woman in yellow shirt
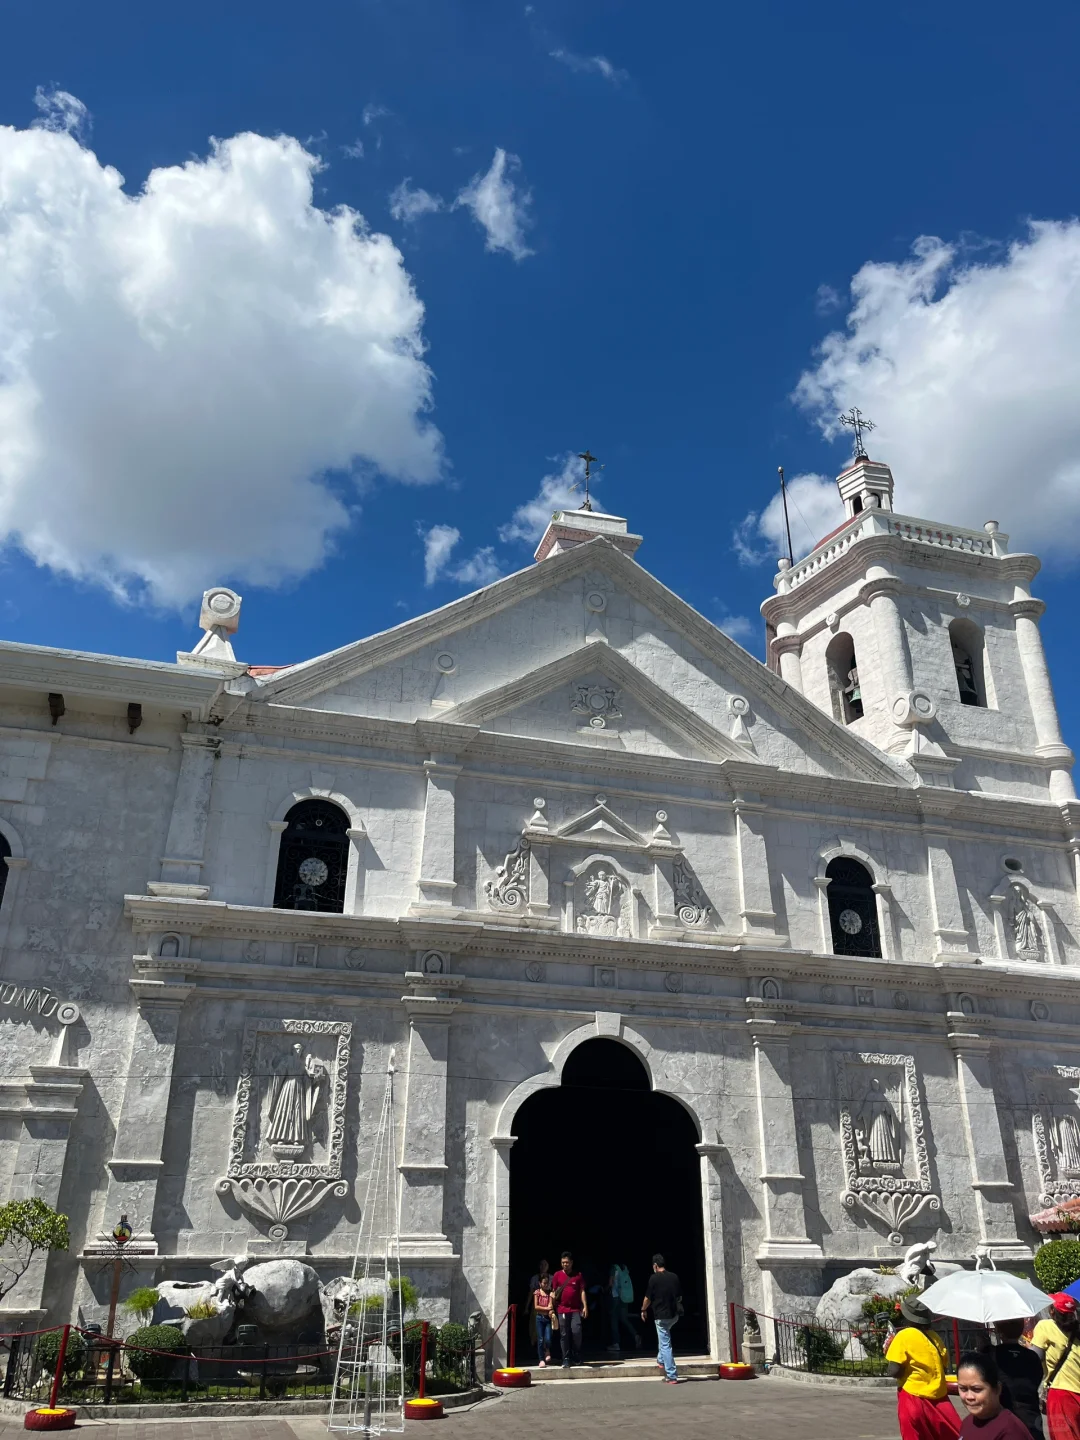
1059	1340
917	1359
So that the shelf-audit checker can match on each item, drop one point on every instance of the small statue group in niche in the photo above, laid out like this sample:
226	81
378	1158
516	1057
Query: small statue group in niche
295	1089
1027	931
878	1132
605	893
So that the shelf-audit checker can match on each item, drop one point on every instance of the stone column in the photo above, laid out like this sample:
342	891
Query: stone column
755	889
880	594
423	1151
500	1268
788	648
1049	742
982	1135
182	863
47	1112
790	1261
137	1162
712	1201
437	883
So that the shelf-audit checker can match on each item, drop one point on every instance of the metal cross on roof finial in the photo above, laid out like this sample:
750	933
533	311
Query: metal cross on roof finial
854	420
590	461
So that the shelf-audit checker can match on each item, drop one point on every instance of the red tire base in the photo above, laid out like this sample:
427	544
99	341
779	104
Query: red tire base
512	1379
735	1370
45	1419
423	1410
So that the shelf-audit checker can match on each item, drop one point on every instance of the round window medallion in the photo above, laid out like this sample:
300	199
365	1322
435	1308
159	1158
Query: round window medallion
738	705
596	601
313	871
1013	864
221	603
445	662
355	958
1039	1011
900	1000
850	922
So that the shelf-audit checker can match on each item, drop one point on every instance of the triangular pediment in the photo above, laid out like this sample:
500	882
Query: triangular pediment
571	674
470	662
600	824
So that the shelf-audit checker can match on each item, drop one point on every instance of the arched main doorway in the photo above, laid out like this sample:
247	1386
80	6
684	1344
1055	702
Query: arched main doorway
607	1168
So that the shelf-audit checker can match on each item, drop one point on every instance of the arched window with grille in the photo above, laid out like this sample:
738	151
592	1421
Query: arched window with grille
5	851
852	908
968	662
844	679
313	860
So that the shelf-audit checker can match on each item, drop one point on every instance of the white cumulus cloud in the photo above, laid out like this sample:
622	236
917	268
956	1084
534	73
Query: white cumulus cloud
739	628
498	206
563	489
481	568
407	204
970	369
192	377
814	508
61	112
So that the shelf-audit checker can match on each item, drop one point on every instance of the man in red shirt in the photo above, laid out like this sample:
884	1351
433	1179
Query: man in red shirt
573	1307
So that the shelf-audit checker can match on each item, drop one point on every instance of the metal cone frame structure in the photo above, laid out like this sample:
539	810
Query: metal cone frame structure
369	1380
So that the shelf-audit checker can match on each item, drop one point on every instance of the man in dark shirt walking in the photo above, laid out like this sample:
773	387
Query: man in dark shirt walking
663	1297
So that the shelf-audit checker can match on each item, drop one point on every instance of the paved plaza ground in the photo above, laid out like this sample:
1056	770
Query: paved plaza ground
766	1409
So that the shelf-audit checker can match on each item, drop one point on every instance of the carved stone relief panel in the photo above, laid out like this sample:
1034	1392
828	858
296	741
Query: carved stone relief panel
1055	1119
508	889
883	1137
289	1119
604	902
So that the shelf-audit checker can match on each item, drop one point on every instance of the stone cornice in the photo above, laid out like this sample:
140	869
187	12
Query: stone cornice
110	677
849	568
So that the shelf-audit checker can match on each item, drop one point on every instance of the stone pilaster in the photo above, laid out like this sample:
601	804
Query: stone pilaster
423	1151
137	1162
755	887
46	1109
982	1135
712	1200
790	1261
952	936
894	663
182	863
436	885
500	1270
1049	741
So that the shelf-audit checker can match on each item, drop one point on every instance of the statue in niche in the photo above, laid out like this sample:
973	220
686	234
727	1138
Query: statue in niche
877	1131
1065	1138
605	892
295	1088
1027	935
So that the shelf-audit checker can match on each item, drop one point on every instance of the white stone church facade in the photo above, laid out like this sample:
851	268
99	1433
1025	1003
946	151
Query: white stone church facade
831	902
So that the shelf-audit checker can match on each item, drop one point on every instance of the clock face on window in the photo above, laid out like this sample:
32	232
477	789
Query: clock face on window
850	922
313	871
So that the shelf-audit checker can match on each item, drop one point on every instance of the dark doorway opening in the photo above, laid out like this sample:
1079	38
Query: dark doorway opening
605	1167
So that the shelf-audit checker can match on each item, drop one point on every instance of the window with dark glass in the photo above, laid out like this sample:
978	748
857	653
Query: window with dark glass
313	859
852	909
5	851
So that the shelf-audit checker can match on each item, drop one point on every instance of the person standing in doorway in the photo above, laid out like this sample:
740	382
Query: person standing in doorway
917	1359
1058	1338
620	1298
534	1285
663	1298
543	1304
572	1306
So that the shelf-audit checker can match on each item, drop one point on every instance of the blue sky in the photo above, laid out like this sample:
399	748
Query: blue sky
683	198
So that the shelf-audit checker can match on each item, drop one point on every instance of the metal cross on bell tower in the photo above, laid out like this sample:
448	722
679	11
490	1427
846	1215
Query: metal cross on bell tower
590	461
854	420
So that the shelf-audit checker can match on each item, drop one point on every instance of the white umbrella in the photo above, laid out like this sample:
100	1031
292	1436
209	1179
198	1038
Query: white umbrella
984	1296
